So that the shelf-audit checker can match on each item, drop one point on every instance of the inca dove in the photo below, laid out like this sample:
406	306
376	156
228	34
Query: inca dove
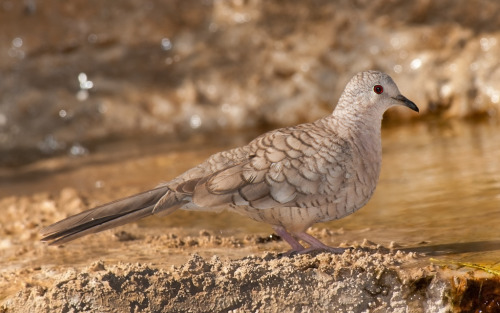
290	178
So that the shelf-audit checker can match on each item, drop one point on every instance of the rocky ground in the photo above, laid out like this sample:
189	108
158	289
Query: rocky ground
363	280
153	269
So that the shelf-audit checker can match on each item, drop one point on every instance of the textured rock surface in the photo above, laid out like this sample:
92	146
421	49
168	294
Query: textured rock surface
361	281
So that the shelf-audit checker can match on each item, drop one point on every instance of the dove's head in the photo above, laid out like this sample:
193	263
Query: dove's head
372	93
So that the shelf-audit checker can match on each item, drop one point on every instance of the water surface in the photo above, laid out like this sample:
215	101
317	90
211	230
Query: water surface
439	190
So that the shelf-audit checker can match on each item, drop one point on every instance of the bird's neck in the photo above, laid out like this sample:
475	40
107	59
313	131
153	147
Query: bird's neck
356	124
363	133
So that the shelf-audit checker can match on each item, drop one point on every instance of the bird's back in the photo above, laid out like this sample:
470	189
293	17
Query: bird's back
305	173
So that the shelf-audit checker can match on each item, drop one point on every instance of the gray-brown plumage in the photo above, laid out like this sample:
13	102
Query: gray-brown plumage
290	178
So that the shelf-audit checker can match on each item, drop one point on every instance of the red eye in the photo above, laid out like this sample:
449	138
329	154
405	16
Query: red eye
378	89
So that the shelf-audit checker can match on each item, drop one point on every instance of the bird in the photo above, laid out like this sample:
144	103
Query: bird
290	178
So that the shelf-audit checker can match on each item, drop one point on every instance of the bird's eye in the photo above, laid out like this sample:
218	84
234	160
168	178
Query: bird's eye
378	89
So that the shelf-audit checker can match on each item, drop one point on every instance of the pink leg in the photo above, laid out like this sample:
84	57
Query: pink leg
315	244
296	246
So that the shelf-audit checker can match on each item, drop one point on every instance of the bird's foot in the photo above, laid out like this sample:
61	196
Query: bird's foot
314	244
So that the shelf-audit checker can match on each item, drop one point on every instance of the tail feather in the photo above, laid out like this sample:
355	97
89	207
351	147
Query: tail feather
104	217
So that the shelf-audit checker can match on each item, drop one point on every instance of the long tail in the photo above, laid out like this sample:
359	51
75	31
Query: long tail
104	217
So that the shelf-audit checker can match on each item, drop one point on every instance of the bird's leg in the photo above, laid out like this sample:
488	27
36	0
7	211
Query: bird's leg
315	244
296	246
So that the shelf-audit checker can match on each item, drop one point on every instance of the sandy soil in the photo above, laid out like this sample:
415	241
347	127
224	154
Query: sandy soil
134	269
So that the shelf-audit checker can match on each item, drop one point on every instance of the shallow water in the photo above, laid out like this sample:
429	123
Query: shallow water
439	190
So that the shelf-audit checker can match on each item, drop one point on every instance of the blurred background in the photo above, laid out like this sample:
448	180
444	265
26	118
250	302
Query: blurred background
74	74
101	99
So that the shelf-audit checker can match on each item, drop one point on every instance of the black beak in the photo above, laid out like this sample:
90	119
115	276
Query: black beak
407	103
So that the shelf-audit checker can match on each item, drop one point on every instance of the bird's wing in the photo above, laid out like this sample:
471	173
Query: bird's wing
293	168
